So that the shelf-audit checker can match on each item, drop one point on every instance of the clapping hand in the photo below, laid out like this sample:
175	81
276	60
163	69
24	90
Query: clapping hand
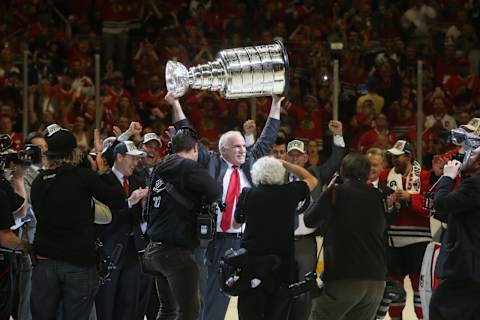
137	196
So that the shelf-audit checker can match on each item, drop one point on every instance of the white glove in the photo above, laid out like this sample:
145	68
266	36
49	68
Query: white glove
451	169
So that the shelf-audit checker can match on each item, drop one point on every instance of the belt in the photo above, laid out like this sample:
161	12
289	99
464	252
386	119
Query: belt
228	235
304	236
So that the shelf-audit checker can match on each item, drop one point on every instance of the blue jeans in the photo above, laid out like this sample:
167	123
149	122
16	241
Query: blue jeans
55	281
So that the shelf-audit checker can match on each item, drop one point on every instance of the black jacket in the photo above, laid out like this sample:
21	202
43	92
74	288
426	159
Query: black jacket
62	202
125	221
170	221
354	242
460	252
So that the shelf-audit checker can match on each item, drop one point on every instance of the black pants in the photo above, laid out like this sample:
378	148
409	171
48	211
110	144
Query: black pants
269	301
177	281
456	299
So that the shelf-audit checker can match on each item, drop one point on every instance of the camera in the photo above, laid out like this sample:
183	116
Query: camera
458	156
30	154
308	284
207	221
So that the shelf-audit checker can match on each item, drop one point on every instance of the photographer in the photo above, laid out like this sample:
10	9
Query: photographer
269	209
354	244
458	295
8	240
64	241
176	191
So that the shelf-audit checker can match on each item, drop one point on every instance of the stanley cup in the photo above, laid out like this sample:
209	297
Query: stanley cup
235	73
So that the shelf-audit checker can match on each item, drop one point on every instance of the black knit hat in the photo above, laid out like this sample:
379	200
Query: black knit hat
61	142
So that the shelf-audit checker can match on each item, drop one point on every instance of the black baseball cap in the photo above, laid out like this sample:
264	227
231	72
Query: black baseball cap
60	141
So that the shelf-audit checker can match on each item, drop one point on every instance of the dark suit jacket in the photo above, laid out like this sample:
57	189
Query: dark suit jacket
124	221
217	167
325	171
460	252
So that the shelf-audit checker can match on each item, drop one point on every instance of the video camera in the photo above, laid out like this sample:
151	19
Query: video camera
207	221
468	141
30	154
308	284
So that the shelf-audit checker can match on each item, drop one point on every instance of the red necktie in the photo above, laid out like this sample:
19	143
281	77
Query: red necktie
125	186
232	193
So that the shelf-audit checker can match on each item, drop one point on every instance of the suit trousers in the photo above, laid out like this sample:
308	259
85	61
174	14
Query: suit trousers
127	293
348	300
216	303
456	299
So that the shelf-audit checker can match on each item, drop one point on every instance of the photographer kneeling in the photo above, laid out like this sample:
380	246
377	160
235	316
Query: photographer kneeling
178	185
269	209
353	219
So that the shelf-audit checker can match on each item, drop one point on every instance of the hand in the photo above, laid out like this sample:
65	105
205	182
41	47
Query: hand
249	127
277	100
171	99
287	105
137	195
336	127
452	168
116	131
18	171
158	113
402	195
170	132
135	128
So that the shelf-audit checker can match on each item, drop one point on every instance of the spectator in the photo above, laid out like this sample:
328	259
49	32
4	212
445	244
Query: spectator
440	119
372	95
379	136
417	22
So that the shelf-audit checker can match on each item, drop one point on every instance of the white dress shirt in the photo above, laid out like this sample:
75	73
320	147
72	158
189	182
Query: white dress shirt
226	180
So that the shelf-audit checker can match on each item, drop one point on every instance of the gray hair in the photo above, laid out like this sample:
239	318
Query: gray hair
375	152
268	171
222	142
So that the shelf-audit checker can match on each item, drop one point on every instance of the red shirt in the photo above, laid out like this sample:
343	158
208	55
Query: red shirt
369	139
308	125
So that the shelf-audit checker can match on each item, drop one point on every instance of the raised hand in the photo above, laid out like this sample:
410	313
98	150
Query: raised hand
336	127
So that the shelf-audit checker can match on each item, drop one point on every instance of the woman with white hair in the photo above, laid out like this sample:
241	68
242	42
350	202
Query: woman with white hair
270	208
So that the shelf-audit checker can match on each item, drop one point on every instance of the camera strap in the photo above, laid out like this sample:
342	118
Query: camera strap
171	190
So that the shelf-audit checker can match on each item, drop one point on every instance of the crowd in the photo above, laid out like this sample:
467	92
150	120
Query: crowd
382	42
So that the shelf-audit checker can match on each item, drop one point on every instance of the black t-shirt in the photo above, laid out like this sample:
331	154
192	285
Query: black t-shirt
269	222
170	221
62	202
10	202
6	217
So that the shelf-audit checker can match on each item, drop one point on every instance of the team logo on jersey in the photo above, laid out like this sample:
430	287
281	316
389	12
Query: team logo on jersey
159	186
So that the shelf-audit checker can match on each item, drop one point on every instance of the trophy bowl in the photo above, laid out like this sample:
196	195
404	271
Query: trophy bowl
235	73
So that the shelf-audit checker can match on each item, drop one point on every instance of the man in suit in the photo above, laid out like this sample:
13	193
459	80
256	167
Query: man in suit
125	294
231	167
305	242
458	295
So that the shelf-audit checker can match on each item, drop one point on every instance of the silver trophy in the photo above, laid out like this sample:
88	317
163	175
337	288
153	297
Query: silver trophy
235	73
